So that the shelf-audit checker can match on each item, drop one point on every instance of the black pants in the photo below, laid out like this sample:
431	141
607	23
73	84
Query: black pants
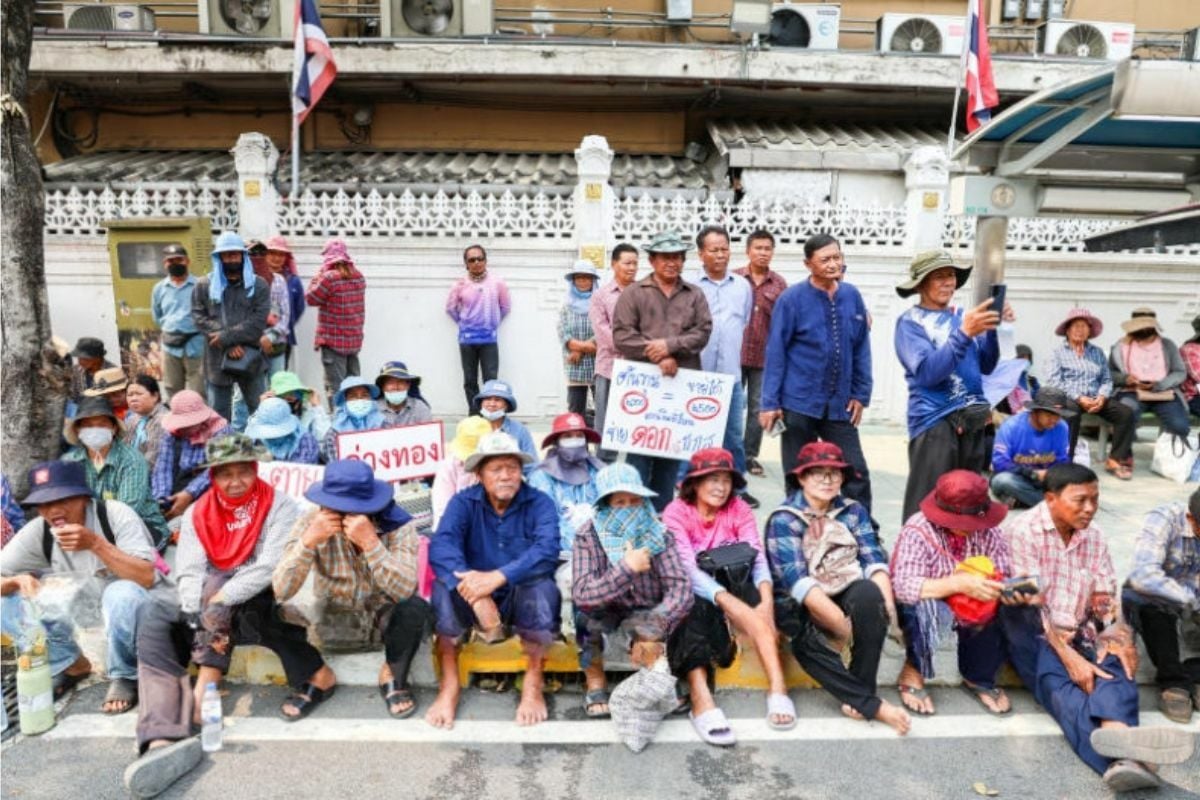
1124	428
701	640
403	626
958	441
476	357
577	397
1157	621
802	429
856	686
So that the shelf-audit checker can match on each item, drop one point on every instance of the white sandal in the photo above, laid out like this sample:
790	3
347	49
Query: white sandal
713	728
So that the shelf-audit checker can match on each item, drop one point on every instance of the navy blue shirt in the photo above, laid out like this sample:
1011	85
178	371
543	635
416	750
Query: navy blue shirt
818	352
522	543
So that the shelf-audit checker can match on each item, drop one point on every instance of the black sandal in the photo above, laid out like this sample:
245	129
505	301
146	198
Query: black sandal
65	682
121	690
393	694
305	705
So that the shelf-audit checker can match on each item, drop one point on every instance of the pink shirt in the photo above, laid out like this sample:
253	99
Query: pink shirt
1191	359
604	303
693	534
1146	362
451	478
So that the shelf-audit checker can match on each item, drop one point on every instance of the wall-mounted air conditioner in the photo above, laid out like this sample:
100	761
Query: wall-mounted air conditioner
97	17
1191	45
444	18
925	33
1111	41
271	19
813	26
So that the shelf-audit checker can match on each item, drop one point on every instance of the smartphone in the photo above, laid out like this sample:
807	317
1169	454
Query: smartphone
1026	586
777	428
997	292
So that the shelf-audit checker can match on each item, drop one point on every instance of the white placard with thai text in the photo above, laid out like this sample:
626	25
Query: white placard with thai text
290	478
396	454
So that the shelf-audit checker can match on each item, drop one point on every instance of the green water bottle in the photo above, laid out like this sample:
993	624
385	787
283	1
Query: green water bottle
35	685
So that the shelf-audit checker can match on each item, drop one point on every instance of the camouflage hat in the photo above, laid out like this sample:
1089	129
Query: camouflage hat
236	448
667	242
926	263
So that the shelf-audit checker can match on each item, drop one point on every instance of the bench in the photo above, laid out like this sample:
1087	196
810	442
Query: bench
1104	429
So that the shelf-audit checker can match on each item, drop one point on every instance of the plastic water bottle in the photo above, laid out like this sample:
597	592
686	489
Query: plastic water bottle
210	720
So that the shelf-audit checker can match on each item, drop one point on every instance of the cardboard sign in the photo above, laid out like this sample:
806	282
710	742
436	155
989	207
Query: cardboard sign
396	454
290	478
650	414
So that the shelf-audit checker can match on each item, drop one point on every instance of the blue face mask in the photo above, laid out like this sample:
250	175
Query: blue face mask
359	408
396	398
492	416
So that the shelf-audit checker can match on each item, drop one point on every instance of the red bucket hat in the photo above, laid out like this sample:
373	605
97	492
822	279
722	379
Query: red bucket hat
570	423
960	501
710	460
822	454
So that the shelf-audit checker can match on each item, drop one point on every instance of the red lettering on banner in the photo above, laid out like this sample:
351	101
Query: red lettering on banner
652	438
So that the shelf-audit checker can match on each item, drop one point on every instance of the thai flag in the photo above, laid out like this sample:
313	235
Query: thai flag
977	60
313	70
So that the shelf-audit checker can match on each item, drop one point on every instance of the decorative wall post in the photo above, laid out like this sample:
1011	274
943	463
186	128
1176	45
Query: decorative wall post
254	159
594	200
927	179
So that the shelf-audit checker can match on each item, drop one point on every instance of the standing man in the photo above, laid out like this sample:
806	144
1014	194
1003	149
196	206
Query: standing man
89	355
730	300
945	352
337	292
182	344
818	365
604	303
230	305
478	303
664	321
768	285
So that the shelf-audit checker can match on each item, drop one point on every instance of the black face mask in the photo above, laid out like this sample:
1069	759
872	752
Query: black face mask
177	270
296	407
233	273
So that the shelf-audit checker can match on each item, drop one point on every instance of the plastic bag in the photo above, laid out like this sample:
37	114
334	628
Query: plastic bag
640	703
1175	456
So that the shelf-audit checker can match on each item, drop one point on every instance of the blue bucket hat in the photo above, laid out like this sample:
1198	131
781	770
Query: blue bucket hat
582	267
349	487
349	383
272	420
56	480
620	478
494	388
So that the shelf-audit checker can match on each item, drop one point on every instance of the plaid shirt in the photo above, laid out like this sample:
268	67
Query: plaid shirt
1068	574
785	532
573	325
307	450
598	584
349	579
925	551
123	476
341	310
1190	353
1166	557
1079	376
163	477
754	343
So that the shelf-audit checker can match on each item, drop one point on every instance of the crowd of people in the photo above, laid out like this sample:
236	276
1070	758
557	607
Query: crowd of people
659	559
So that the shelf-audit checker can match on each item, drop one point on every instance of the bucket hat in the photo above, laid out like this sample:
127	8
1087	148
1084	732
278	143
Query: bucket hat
570	423
284	382
273	420
710	460
816	455
278	244
1052	399
335	252
94	406
667	242
398	370
582	267
466	436
1095	326
108	380
56	480
1141	319
89	347
496	443
229	242
187	409
236	448
350	487
495	388
620	478
349	383
960	501
926	263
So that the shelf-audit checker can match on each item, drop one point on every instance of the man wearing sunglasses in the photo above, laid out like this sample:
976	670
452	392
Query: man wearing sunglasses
478	303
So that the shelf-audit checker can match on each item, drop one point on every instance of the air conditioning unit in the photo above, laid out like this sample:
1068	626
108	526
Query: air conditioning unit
442	18
268	19
1191	45
928	33
98	17
813	26
1111	41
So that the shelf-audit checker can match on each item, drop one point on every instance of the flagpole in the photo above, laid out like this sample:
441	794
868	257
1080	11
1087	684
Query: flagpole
295	156
962	75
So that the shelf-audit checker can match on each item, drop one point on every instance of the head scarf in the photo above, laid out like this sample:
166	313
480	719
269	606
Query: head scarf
579	301
201	433
572	468
635	526
283	447
216	279
228	528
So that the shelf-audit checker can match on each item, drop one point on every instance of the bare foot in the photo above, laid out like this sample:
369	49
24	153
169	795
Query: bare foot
999	704
851	713
532	708
895	716
911	687
441	713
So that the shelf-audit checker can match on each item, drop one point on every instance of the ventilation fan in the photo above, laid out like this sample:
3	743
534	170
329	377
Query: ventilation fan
262	18
1112	41
1082	41
789	29
247	17
916	35
436	17
930	34
427	17
813	26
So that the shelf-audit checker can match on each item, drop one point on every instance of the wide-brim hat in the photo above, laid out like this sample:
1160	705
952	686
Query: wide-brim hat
570	423
1142	319
495	388
710	460
108	380
187	410
1052	399
926	263
273	420
277	244
229	242
284	382
1095	326
817	455
467	434
56	480
667	242
960	501
582	267
350	487
397	370
352	382
620	478
89	347
492	445
236	448
94	406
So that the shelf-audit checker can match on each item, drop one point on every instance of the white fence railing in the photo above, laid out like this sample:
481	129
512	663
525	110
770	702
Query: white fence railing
74	212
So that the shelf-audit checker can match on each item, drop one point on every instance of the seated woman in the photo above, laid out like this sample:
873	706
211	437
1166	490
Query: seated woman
354	409
831	580
304	403
114	470
275	426
452	474
936	592
568	475
496	402
627	577
178	479
229	544
712	526
1148	372
402	402
143	423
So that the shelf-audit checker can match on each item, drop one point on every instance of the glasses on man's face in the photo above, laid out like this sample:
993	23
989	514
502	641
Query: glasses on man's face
477	260
825	475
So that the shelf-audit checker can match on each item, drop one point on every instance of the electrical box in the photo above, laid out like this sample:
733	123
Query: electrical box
679	10
987	196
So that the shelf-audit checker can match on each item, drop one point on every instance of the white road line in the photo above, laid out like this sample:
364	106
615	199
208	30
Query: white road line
674	731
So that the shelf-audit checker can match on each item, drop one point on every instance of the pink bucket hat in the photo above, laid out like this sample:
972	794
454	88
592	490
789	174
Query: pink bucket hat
187	409
1094	323
334	252
278	244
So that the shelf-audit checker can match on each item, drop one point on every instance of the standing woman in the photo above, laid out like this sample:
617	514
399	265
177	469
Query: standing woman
717	537
281	261
143	423
575	334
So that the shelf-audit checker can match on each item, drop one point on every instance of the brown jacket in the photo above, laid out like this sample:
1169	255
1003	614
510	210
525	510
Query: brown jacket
644	313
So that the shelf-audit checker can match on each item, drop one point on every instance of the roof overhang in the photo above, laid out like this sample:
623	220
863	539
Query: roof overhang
1180	226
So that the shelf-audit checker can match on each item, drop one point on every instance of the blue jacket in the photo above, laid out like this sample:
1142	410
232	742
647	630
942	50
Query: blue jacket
522	544
943	367
818	352
1021	449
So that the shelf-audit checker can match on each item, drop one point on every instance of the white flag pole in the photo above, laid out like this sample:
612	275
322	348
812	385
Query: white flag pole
962	75
295	156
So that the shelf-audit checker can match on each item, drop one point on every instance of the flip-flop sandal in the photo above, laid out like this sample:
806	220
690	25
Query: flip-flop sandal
160	767
65	682
393	694
596	697
755	468
780	705
303	706
916	692
121	689
713	728
995	693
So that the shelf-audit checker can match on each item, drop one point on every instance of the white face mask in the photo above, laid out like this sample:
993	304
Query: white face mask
96	438
359	408
571	442
492	416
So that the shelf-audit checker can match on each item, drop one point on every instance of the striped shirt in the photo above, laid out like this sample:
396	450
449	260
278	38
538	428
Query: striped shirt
574	325
754	343
162	479
1166	556
341	310
925	551
1079	376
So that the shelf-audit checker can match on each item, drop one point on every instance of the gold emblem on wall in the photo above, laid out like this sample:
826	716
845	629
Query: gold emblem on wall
593	191
930	201
251	189
593	253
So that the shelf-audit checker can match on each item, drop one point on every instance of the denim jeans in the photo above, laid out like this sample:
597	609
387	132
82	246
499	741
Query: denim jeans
600	386
658	475
122	601
1172	414
16	617
241	413
1025	491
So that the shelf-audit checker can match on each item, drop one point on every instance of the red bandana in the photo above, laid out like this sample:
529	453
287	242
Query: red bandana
229	528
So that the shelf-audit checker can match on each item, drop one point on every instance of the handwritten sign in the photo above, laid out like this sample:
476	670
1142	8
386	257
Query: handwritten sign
396	454
290	478
653	415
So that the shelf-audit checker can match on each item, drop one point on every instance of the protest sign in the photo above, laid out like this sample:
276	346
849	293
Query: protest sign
396	454
290	478
653	415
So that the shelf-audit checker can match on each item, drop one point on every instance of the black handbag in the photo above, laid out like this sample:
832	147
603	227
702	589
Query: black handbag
250	362
178	338
733	567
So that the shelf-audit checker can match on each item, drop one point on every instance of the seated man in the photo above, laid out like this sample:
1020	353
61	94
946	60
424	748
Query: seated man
1163	588
1077	656
74	533
1027	445
493	557
363	549
627	577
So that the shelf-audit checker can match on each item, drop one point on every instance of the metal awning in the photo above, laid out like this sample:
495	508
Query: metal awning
1179	226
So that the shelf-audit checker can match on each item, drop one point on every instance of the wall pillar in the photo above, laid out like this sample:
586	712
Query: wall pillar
255	158
927	179
594	200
